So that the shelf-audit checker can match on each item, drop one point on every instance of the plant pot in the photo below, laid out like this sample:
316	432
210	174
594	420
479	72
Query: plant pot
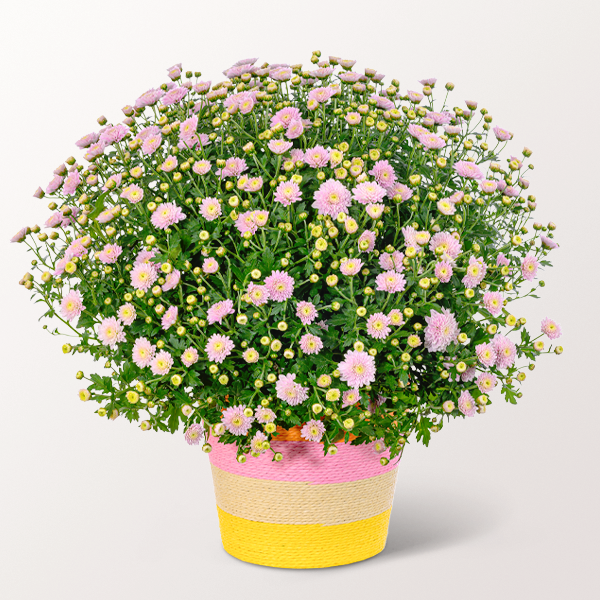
306	511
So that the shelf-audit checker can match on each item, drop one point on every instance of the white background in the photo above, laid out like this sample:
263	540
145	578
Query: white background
504	505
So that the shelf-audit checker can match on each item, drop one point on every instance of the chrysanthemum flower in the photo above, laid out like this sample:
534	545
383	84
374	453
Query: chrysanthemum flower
352	266
551	328
503	135
357	369
332	198
127	313
110	331
486	382
189	356
142	352
171	280
375	210
109	254
468	170
264	415
285	116
316	157
210	208
235	421
486	354
529	267
72	305
306	312
466	404
350	397
250	355
391	282
378	326
475	272
441	330
368	192
493	302
279	146
295	129
194	433
290	391
506	351
143	275
218	311
287	192
169	318
396	317
161	363
280	286
447	242
201	167
443	271
366	241
392	262
311	344
218	347
431	141
210	266
257	441
313	430
167	214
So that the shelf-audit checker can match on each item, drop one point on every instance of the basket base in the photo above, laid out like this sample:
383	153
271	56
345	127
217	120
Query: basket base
303	546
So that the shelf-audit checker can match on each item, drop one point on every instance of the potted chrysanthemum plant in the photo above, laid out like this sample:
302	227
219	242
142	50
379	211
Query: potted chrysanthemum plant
301	268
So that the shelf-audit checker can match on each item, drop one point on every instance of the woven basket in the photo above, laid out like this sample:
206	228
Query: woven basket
307	511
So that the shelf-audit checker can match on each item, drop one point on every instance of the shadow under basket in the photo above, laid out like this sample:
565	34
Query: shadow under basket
306	511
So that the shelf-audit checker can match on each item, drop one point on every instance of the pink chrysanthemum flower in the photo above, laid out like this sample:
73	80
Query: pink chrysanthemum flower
417	130
256	443
502	135
152	143
297	155
486	382
475	272
194	434
357	369
210	266
264	415
171	280
149	98
493	302
280	286
391	282
321	94
399	189
295	129
466	404
311	344
332	198
246	222
502	261
78	247
259	294
378	326
410	236
143	275
127	313
432	141
488	186
446	207
234	167
375	210
201	167
167	214
368	192
169	164
486	354
54	184
290	391
161	363
548	243
175	95
250	355
218	347
506	351
210	208
189	356
351	266
350	397
93	151
20	235
285	116
441	330
306	312
443	271
287	192
72	305
143	352
353	118
396	317
87	140
71	183
236	421
316	157
350	225
279	146
134	193
106	216
169	318
110	331
188	127
109	254
529	267
366	241
217	312
551	328
114	134
392	262
468	169
313	430
440	118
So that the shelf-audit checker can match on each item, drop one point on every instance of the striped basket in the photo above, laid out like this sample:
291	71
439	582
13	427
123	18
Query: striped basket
307	511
